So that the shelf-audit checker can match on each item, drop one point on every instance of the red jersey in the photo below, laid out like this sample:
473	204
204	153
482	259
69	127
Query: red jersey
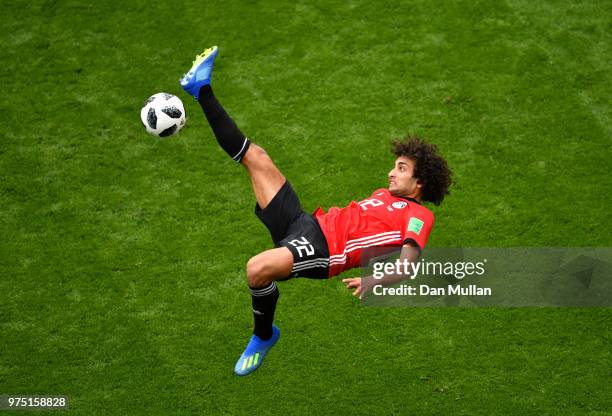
382	220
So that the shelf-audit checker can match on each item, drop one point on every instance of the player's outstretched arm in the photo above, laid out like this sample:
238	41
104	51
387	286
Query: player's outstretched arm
361	286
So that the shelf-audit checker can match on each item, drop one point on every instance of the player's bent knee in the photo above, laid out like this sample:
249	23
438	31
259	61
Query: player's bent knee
256	272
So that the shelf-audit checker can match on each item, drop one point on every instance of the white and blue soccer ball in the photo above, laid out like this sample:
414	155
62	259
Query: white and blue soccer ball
163	114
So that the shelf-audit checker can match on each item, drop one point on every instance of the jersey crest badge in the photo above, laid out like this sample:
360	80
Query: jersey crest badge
399	204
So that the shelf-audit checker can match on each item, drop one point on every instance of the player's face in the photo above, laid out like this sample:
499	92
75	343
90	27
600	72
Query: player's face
401	181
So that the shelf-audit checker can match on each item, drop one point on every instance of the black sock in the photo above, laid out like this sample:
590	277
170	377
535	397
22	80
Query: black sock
228	135
264	305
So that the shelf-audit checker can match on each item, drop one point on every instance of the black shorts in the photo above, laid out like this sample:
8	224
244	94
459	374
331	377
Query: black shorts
297	230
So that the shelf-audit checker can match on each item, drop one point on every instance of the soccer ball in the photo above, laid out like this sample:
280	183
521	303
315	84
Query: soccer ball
163	114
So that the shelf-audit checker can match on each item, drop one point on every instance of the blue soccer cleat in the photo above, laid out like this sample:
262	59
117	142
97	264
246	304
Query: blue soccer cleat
255	352
200	72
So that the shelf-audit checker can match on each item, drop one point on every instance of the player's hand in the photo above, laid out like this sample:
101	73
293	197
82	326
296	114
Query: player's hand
354	283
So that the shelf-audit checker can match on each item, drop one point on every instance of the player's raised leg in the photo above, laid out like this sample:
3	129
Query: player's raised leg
265	176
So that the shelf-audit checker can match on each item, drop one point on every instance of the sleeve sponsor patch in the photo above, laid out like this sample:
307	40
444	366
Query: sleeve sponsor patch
415	225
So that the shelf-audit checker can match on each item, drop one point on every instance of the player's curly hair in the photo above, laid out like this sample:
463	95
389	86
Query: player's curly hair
430	169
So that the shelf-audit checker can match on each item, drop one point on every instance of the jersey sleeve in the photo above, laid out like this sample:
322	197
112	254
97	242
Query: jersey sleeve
418	227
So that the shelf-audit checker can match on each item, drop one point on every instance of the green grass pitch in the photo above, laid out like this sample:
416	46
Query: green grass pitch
122	256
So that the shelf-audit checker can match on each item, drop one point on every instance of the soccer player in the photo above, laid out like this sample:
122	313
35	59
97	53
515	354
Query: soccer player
320	245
